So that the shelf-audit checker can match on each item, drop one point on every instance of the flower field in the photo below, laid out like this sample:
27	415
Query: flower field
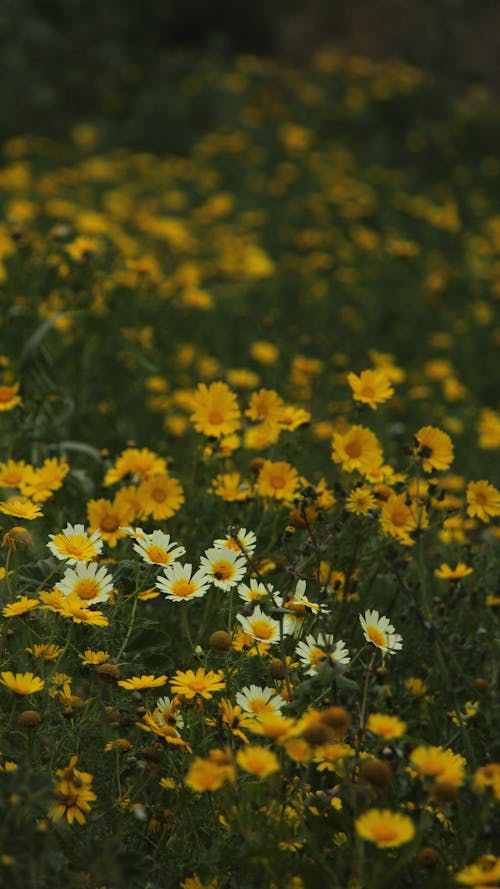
249	493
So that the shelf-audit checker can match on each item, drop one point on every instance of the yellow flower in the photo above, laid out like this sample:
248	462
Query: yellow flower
487	778
140	683
136	462
264	352
40	483
443	765
215	410
400	516
257	761
74	794
108	518
75	545
21	606
371	387
266	408
385	828
433	449
73	608
387	727
357	448
211	773
203	682
20	508
361	500
48	652
483	873
9	398
162	496
445	572
483	500
94	657
12	473
489	429
22	683
278	480
230	487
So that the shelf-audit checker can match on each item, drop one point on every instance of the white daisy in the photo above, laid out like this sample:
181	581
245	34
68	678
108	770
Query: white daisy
225	567
246	539
260	626
258	590
167	713
90	583
158	549
313	652
259	701
379	631
75	544
179	583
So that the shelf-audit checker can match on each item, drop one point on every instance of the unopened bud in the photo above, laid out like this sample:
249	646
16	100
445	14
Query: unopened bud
18	538
29	719
220	641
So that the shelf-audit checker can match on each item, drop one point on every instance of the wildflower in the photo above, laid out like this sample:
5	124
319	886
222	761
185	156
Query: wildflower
380	632
163	496
437	763
371	387
94	658
12	473
9	399
136	462
74	792
211	773
22	683
141	683
157	549
257	761
215	410
487	778
167	711
233	716
225	567
264	352
203	682
361	500
261	627
243	542
483	873
178	584
48	652
244	642
40	483
357	448
445	572
415	686
22	605
90	583
107	518
260	702
75	545
385	828
400	517
387	727
21	508
266	408
230	487
483	500
314	652
256	591
489	429
433	449
165	729
73	608
278	480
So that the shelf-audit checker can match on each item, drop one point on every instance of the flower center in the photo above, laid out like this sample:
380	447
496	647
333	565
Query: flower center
223	570
353	448
215	418
316	656
87	589
259	706
77	546
377	637
11	479
384	833
183	588
109	523
159	494
158	555
399	517
261	629
6	393
277	482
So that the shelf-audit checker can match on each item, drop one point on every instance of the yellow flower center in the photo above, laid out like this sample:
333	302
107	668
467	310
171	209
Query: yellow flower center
259	706
223	570
12	478
109	523
87	589
377	637
183	588
76	546
316	656
368	391
159	555
6	393
353	448
277	482
215	418
399	516
159	494
384	833
262	629
197	685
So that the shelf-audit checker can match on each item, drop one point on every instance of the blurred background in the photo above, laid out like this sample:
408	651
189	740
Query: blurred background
114	63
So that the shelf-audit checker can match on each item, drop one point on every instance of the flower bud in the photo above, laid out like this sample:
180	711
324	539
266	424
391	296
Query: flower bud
18	538
220	641
376	773
276	669
338	719
29	719
108	673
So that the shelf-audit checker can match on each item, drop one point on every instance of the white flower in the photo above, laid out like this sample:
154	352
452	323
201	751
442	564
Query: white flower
158	549
380	632
313	652
259	701
260	626
90	583
179	583
225	567
258	590
246	539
